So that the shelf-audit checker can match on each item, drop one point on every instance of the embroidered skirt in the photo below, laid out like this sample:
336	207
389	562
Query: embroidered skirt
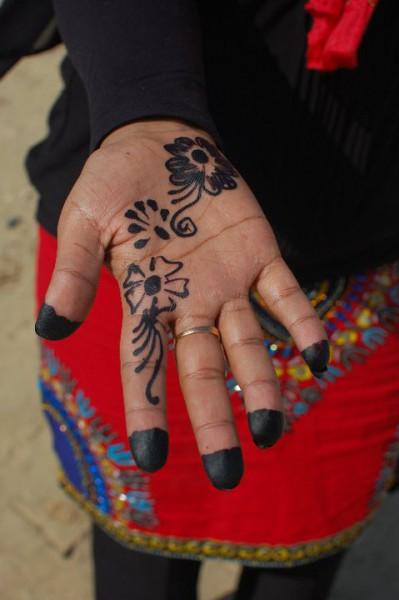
309	496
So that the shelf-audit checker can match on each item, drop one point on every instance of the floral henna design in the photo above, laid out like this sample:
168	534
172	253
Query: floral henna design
142	217
145	291
197	166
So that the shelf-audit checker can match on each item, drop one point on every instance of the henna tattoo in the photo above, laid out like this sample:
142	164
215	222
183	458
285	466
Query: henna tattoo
198	164
142	217
196	168
145	291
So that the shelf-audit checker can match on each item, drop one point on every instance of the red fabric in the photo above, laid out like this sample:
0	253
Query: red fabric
337	31
318	480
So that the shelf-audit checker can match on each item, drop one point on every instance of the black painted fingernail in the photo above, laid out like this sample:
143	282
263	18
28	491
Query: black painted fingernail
150	448
224	468
266	426
316	356
51	326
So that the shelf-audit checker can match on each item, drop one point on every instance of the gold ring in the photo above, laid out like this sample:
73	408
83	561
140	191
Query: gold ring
201	329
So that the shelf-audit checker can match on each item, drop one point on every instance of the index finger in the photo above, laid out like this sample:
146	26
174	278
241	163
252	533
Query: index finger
150	291
143	350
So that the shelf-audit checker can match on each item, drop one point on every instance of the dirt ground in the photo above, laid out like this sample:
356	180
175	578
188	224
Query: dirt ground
44	538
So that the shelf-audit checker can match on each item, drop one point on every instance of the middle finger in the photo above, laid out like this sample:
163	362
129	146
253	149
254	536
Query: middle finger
201	365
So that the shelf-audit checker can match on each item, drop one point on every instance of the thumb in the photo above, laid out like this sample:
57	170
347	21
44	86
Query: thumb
73	285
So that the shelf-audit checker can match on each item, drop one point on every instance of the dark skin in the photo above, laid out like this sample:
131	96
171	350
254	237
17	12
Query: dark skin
216	249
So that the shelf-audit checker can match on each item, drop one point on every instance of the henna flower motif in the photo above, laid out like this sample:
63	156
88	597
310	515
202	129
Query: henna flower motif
143	290
148	217
198	165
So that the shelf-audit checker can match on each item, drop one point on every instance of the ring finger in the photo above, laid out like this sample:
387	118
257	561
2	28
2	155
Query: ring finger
250	363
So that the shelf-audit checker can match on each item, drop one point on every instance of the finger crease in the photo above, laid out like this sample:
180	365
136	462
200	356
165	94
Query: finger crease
133	364
209	374
254	341
87	250
210	426
265	274
227	309
271	381
150	409
77	275
216	235
284	294
302	320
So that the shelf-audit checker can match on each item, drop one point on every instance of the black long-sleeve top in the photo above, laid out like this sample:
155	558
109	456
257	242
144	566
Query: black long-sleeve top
320	151
136	59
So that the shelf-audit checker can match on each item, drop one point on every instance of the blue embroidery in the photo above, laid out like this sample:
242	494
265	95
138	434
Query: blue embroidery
94	462
119	455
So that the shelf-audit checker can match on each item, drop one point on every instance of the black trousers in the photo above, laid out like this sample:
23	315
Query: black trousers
122	574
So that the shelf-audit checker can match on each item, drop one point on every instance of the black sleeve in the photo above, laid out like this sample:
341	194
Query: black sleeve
137	58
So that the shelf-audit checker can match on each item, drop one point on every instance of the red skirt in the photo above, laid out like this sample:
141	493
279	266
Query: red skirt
309	496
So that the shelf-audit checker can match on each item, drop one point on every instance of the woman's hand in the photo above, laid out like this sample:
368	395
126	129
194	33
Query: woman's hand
185	239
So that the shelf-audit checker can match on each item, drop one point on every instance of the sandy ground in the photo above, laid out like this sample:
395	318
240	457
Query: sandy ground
44	538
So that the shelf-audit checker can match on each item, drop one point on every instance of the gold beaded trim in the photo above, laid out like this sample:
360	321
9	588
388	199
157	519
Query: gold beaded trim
204	549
